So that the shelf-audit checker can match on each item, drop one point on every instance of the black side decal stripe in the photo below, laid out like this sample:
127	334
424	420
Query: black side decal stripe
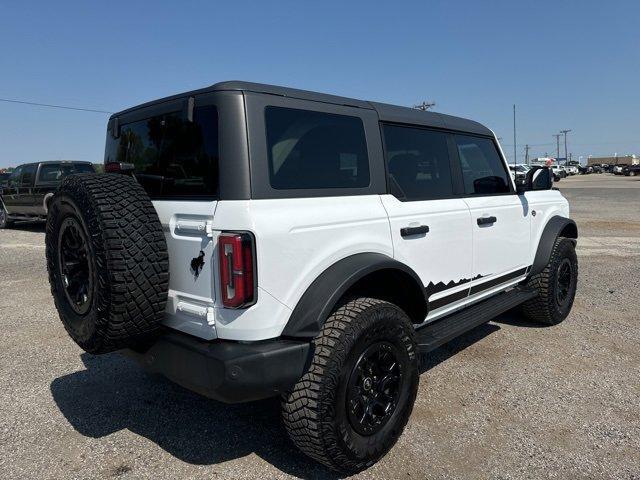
454	297
497	281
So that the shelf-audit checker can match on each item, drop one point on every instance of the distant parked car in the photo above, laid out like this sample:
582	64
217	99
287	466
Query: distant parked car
518	172
617	170
30	187
572	169
558	171
631	170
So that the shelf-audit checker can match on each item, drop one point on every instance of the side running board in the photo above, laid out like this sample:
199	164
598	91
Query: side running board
445	329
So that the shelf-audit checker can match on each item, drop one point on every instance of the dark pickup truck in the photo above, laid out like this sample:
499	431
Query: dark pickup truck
26	193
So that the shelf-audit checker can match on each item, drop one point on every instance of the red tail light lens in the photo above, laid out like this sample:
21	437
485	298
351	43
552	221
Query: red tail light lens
236	252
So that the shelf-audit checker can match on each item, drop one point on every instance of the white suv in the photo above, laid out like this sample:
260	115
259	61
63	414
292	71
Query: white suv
251	241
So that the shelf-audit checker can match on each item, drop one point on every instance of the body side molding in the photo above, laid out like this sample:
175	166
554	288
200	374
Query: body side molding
556	226
320	298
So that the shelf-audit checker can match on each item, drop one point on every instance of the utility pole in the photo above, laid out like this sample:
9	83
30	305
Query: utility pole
557	135
424	106
526	154
565	144
515	155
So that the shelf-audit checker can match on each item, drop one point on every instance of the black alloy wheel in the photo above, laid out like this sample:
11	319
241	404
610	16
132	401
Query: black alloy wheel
76	270
564	278
374	388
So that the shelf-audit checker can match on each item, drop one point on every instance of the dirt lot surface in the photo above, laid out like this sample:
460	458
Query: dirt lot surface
507	400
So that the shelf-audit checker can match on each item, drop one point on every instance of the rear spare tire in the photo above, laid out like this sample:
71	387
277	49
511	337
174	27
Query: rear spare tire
107	260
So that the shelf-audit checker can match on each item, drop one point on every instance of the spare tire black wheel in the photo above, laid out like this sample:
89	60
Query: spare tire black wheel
108	262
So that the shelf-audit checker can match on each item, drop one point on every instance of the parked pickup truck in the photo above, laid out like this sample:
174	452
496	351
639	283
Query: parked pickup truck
30	187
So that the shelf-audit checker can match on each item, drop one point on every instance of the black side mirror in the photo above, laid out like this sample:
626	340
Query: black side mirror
538	178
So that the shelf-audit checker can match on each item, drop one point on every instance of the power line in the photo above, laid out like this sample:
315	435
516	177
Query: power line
65	107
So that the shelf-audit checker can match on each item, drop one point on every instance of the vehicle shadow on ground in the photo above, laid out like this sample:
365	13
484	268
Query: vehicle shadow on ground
113	393
455	346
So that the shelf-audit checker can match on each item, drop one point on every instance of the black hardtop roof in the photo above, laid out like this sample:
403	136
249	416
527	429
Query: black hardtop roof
386	112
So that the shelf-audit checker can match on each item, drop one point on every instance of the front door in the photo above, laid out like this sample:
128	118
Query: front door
430	228
499	217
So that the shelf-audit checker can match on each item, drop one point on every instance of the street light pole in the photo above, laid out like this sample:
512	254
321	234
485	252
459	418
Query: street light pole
515	149
565	144
424	106
557	135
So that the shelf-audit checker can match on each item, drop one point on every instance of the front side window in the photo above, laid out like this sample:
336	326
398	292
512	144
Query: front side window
14	179
315	150
418	163
172	157
482	168
28	172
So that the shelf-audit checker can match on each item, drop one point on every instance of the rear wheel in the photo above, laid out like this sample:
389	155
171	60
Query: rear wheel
556	286
351	406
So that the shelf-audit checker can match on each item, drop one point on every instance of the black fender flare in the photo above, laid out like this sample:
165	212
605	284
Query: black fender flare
556	226
323	294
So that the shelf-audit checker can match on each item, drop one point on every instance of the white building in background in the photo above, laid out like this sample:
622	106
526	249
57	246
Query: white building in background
615	160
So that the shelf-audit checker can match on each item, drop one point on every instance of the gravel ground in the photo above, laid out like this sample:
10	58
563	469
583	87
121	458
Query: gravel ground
507	400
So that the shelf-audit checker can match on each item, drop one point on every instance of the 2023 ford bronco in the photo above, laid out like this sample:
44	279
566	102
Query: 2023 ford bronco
251	241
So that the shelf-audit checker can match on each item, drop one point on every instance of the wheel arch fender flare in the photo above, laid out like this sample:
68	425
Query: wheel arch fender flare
321	297
557	226
45	202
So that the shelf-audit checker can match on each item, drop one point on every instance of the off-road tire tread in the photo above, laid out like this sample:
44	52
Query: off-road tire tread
540	308
131	259
301	410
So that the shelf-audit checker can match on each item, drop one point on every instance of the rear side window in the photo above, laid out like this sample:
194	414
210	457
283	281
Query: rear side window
173	158
310	150
482	168
55	172
418	163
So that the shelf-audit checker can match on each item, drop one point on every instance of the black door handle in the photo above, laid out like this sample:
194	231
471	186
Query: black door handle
407	231
487	220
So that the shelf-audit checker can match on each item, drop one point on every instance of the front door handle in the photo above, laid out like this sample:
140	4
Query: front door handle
487	220
408	231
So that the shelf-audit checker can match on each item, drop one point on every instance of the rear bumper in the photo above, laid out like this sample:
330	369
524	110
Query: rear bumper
228	371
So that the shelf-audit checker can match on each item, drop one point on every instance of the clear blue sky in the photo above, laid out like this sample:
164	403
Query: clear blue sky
569	65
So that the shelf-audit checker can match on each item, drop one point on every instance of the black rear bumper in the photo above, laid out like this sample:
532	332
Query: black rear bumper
228	371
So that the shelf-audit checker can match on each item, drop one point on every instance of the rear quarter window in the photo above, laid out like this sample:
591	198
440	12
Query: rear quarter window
315	150
173	158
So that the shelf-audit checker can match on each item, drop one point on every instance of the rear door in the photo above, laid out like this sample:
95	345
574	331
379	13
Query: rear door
500	219
430	227
175	155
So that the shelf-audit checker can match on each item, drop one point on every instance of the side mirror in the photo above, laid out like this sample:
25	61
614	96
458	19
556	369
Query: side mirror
538	178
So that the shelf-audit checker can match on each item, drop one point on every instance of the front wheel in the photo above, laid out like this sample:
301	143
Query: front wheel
351	406
556	286
4	217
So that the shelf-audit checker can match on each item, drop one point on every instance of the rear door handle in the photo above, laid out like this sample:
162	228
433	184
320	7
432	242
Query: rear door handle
408	231
487	220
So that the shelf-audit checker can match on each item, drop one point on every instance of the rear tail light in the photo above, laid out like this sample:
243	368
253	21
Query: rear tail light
236	251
